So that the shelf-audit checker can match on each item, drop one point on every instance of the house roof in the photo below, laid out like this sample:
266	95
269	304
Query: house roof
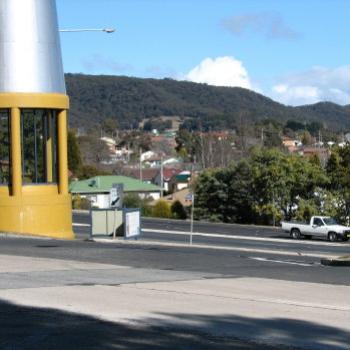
168	173
103	184
147	174
183	177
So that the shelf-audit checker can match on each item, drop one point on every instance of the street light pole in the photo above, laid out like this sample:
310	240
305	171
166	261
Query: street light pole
161	177
106	30
192	211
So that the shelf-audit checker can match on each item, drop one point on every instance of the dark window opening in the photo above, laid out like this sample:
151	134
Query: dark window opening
4	147
39	146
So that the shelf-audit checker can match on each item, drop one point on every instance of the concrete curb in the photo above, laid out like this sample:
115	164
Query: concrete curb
335	262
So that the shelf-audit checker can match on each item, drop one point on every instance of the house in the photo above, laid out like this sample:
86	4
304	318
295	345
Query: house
156	161
98	188
148	175
180	181
168	174
148	155
323	154
291	144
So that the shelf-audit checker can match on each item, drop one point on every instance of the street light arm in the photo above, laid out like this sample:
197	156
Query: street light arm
106	30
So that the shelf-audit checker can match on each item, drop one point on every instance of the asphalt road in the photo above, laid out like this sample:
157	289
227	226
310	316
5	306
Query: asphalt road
283	259
244	237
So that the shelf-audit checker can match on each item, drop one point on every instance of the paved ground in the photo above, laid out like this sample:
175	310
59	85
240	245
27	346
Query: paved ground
56	304
166	295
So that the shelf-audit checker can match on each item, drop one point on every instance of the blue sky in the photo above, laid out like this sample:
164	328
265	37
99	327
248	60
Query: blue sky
294	51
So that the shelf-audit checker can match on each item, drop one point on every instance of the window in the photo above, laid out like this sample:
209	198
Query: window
39	146
318	222
4	147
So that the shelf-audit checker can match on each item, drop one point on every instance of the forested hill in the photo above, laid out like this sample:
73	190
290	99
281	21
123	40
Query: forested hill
129	100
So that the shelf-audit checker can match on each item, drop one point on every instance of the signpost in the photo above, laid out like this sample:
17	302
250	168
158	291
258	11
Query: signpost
132	223
116	201
116	195
192	210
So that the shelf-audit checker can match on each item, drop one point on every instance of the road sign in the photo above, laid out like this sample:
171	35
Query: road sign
116	196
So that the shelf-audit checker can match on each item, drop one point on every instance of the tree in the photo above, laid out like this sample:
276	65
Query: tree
88	171
109	126
211	196
240	197
338	170
93	150
283	179
178	210
307	139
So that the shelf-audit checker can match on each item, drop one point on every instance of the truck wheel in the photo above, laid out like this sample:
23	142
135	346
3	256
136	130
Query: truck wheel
332	237
295	233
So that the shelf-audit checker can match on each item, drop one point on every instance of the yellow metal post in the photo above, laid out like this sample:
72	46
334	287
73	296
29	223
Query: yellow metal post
62	153
16	171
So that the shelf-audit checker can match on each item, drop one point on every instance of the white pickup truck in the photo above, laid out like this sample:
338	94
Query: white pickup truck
319	226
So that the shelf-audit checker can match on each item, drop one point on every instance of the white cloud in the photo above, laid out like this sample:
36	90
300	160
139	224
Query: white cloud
314	85
220	71
270	25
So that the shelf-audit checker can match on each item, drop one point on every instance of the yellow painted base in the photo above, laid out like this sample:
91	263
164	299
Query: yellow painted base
39	211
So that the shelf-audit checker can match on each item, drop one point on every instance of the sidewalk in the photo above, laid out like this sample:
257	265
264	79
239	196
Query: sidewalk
58	304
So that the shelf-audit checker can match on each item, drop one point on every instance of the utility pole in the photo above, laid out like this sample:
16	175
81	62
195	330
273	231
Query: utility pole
140	164
192	211
161	177
192	205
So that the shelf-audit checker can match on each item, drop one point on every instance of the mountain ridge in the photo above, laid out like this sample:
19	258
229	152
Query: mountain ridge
129	100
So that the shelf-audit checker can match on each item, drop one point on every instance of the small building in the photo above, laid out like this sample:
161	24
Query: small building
291	144
180	181
97	189
168	174
148	174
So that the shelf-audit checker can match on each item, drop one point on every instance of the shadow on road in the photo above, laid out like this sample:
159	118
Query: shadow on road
24	328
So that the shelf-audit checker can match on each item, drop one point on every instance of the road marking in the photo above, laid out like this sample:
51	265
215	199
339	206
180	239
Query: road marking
247	238
283	261
81	225
214	247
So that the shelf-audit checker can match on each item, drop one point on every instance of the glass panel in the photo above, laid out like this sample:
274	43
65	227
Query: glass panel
39	146
4	147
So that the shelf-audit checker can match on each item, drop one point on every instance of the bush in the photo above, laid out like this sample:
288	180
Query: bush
132	200
76	201
178	210
80	203
161	210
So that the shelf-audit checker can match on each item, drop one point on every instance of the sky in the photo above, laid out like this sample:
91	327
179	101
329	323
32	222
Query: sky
294	51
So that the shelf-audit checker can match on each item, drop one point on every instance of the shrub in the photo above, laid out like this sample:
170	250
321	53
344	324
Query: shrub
80	203
132	200
161	210
178	210
76	201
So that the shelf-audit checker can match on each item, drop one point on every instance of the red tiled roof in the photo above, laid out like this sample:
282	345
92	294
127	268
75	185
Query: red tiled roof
147	174
168	173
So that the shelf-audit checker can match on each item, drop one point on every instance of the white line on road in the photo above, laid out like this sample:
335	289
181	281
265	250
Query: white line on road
81	225
283	261
247	238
